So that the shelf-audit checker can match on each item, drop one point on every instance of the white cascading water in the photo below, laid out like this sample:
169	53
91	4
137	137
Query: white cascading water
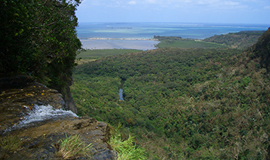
42	113
39	114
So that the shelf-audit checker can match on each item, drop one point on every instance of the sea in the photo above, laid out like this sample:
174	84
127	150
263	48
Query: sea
108	35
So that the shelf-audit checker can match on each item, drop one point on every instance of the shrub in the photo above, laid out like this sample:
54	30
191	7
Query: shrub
126	149
73	147
10	143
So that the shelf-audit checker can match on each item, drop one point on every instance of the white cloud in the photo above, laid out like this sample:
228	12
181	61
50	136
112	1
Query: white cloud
150	1
220	4
132	2
184	4
230	3
217	3
267	7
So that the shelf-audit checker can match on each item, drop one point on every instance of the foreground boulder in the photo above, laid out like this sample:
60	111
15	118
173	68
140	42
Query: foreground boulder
31	114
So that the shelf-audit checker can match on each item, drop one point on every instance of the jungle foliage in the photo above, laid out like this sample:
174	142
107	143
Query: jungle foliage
125	148
99	53
184	103
262	50
92	55
240	40
185	43
39	39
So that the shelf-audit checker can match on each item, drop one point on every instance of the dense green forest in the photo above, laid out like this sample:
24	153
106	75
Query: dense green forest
39	39
184	103
92	55
178	42
240	40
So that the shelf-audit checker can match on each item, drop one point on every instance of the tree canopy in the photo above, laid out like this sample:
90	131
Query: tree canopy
183	103
39	39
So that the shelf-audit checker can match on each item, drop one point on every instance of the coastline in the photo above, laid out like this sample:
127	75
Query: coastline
125	39
119	43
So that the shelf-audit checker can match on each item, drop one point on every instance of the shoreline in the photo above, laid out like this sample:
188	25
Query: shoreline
119	43
125	39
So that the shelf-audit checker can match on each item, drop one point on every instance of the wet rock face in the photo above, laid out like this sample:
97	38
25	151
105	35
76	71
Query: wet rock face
19	94
70	104
39	140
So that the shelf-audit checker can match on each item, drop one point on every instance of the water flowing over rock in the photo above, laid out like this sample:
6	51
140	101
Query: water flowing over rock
32	113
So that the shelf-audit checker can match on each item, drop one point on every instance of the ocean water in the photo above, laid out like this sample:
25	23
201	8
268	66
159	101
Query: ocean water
128	34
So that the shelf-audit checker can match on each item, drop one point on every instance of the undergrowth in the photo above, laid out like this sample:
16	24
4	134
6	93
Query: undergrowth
73	147
10	143
126	149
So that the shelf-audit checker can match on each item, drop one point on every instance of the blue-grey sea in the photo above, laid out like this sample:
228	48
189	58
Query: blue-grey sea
138	35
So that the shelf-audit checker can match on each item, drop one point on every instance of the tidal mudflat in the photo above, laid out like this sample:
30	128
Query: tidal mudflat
140	44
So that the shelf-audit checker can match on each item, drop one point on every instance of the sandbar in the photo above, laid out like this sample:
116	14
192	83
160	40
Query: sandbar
119	43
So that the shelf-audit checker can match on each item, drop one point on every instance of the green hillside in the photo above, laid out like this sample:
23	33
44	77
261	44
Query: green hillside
179	42
240	40
184	103
92	55
261	50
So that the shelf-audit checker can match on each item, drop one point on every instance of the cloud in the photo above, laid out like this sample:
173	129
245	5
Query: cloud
267	7
220	4
230	3
186	5
171	3
217	3
132	2
150	1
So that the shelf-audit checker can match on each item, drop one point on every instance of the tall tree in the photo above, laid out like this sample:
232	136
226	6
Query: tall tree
39	38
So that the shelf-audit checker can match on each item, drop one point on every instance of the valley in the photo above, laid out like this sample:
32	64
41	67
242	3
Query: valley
182	103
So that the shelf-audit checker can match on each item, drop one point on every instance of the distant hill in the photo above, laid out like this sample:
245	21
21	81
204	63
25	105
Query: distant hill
262	49
240	40
178	42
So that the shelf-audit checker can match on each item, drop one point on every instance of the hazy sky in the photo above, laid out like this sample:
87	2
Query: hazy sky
209	11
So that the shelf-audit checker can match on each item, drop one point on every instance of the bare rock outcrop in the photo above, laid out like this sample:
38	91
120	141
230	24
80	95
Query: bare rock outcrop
39	135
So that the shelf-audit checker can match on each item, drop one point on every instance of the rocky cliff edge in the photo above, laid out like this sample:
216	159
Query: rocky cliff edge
32	113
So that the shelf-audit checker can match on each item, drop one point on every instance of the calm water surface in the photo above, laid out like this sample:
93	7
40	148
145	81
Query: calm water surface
149	30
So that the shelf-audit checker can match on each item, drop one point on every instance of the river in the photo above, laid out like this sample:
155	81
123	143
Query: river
121	95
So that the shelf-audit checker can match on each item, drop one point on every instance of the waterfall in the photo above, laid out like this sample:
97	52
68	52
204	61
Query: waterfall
39	114
42	113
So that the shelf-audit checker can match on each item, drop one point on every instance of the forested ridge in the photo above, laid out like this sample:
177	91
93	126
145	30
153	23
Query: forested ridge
240	40
184	103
